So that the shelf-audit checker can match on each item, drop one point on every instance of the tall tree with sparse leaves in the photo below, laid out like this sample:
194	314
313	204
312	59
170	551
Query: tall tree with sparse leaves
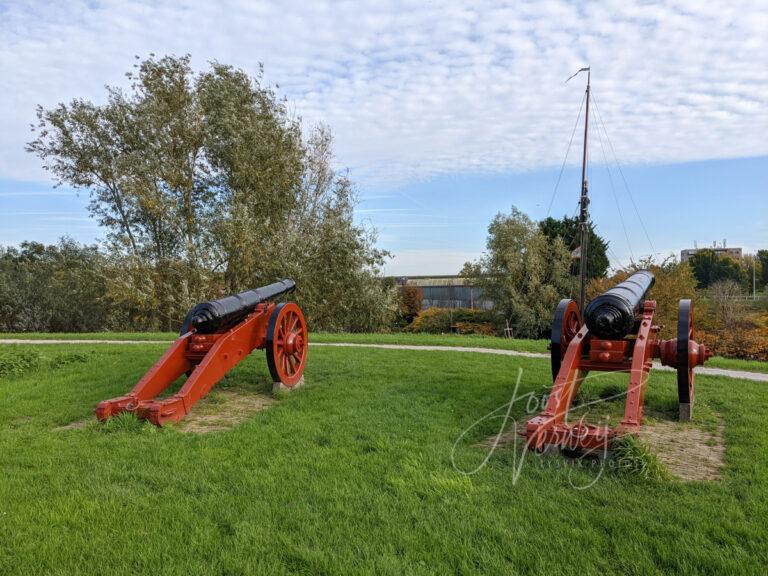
207	185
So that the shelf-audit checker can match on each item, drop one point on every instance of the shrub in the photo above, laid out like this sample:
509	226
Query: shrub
68	358
749	343
464	320
479	328
725	298
746	338
16	363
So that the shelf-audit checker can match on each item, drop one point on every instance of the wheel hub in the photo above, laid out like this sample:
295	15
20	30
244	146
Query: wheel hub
293	343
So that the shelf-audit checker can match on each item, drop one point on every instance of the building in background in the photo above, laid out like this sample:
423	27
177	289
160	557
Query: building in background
734	253
447	292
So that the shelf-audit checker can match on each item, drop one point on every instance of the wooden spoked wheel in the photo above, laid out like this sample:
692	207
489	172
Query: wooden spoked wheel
565	325
287	344
685	363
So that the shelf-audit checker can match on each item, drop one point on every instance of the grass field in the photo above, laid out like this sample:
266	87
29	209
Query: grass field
353	474
522	345
377	338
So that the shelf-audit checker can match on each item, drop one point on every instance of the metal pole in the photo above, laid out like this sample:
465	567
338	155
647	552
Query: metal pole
583	212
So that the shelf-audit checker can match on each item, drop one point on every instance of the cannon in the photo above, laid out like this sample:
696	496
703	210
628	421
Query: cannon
617	334
612	314
215	337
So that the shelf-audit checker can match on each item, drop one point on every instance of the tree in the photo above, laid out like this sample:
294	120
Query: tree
725	294
762	257
411	299
207	185
709	267
523	271
751	267
567	229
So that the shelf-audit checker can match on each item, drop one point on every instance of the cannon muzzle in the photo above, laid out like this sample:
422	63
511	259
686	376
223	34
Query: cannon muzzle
218	315
611	315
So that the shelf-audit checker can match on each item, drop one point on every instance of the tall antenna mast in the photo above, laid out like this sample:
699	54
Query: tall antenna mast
583	204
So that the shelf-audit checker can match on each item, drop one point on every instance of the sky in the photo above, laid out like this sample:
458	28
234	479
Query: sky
444	113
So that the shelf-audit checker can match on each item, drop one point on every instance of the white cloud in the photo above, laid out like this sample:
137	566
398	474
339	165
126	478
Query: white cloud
426	262
414	90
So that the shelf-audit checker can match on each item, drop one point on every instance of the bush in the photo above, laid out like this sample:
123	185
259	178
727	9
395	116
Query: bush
745	338
55	288
69	287
478	328
464	320
69	358
740	342
724	295
15	363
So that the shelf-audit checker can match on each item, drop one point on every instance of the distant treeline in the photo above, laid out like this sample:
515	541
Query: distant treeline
71	287
62	288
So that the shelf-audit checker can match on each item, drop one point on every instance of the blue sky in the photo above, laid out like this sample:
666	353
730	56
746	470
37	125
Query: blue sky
444	114
433	227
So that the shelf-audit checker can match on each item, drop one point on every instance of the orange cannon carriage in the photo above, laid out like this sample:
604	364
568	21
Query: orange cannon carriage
618	334
215	337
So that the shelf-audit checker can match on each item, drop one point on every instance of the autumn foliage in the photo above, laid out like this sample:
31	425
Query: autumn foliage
721	322
673	282
411	299
461	320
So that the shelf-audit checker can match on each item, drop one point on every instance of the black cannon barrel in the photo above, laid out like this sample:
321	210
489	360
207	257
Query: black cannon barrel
217	315
612	314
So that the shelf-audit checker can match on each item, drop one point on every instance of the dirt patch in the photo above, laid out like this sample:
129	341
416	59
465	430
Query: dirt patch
21	420
688	452
77	425
503	440
220	410
223	410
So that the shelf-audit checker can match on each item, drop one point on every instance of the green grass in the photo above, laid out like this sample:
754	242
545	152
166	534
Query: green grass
736	364
633	457
353	475
522	345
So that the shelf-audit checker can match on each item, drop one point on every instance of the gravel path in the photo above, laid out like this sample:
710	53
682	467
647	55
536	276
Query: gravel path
702	370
